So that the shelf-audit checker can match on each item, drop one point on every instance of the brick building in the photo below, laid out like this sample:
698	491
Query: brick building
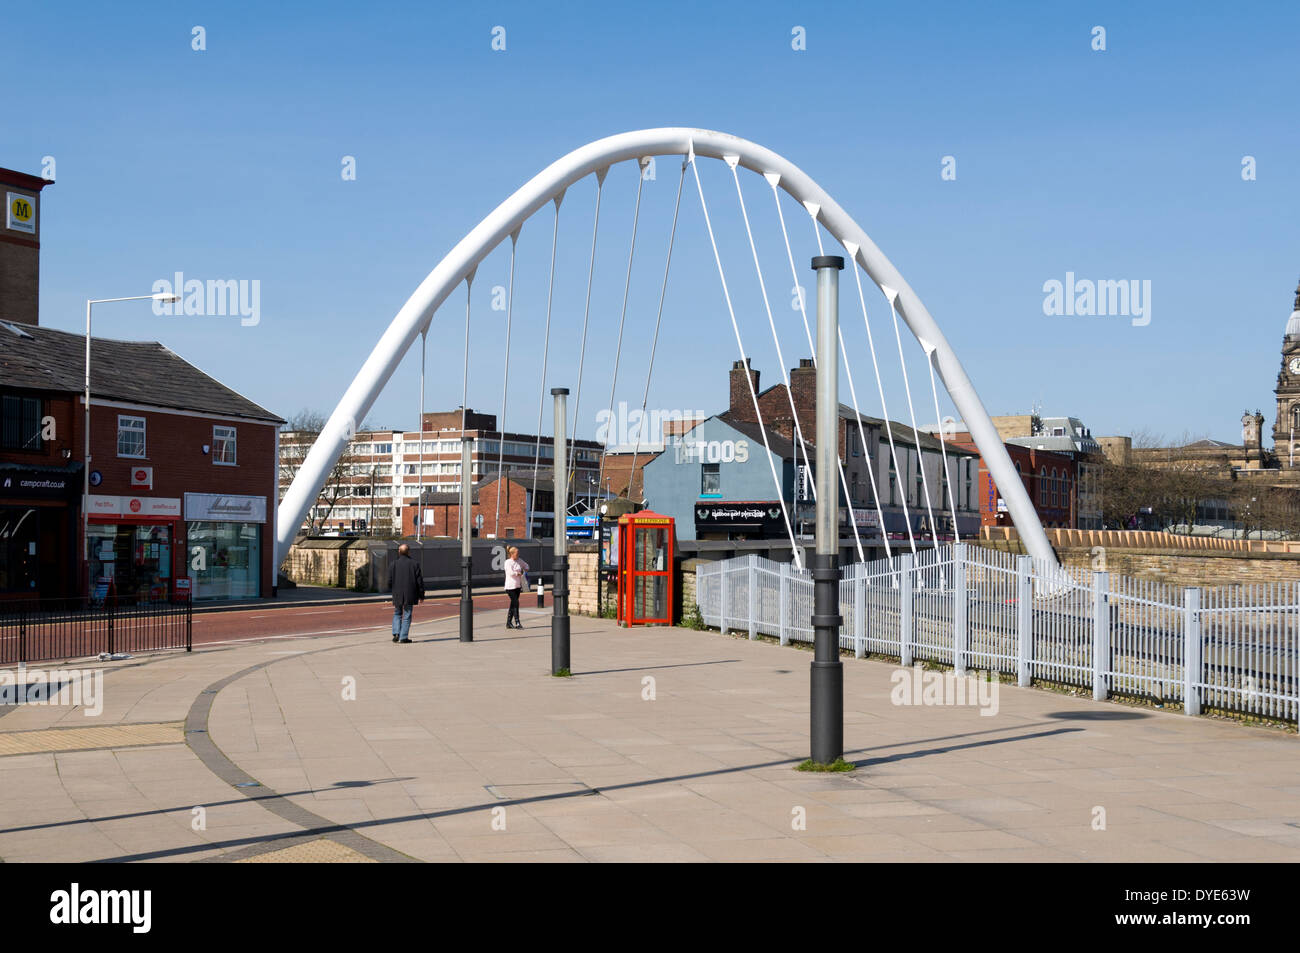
20	246
382	473
182	475
506	519
1051	479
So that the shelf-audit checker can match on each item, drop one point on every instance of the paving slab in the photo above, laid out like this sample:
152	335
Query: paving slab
346	748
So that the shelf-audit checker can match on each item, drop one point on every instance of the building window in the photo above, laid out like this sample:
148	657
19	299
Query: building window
711	479
223	446
21	428
130	436
920	478
968	486
854	491
1042	486
893	483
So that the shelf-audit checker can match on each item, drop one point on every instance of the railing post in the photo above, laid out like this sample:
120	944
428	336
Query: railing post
1024	620
1191	651
111	603
722	595
859	610
905	610
960	635
783	600
753	596
189	626
1100	635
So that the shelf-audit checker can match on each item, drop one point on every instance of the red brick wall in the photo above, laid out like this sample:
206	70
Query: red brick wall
174	448
446	516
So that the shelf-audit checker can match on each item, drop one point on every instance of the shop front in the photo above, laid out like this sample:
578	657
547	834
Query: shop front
225	544
131	543
37	530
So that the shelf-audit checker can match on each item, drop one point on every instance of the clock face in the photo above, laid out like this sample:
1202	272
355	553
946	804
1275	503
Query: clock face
1294	365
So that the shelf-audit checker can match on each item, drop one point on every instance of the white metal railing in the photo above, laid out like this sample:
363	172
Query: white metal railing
1231	648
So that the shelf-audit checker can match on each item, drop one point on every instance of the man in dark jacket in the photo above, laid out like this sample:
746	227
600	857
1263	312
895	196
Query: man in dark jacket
406	583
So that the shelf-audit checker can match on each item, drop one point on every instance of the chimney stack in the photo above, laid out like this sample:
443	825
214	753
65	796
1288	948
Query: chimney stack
742	402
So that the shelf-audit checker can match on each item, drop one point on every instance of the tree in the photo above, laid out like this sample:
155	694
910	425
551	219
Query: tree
296	439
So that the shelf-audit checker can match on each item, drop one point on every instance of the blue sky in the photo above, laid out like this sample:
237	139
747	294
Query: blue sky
1122	164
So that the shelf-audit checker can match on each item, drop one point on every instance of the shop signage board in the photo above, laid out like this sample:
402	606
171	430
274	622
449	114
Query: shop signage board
161	507
142	476
225	508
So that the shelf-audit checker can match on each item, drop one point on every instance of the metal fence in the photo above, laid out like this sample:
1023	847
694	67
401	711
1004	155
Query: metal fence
34	630
1232	648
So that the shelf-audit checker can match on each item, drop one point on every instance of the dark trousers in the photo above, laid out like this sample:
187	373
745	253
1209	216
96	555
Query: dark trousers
513	612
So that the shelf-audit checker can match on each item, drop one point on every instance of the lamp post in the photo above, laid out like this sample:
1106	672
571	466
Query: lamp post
466	553
166	297
827	679
560	582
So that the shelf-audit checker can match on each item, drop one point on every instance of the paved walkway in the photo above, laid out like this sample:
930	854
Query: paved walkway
473	752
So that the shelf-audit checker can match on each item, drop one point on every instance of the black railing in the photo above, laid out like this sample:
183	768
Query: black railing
37	630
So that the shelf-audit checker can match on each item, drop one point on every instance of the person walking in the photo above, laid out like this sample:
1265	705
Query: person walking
406	583
516	581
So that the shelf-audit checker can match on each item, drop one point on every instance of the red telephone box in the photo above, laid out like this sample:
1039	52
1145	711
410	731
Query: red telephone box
646	542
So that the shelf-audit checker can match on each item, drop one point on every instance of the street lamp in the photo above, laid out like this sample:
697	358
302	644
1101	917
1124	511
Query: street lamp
167	297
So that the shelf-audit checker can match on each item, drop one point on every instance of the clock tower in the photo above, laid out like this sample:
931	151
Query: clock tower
1286	431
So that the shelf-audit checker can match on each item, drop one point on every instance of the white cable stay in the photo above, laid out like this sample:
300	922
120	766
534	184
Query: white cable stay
654	343
773	179
582	351
731	311
771	323
546	351
622	317
884	407
505	382
943	443
892	295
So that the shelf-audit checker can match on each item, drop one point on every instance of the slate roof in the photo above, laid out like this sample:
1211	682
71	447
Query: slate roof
138	372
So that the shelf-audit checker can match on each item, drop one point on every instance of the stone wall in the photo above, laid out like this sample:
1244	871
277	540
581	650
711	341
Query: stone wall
328	562
1187	569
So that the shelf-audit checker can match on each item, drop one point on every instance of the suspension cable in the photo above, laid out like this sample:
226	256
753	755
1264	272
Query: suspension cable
654	343
546	350
505	383
774	180
582	352
771	322
930	352
731	311
892	295
884	407
622	317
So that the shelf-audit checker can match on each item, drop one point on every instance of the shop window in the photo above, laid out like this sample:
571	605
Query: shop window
130	436
711	479
21	427
223	446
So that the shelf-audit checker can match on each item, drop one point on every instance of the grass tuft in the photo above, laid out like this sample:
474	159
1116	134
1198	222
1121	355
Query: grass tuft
839	764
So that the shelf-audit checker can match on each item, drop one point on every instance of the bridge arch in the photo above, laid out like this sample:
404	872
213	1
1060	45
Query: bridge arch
460	263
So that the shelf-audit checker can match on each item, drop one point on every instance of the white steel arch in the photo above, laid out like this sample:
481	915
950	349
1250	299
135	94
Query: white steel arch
460	263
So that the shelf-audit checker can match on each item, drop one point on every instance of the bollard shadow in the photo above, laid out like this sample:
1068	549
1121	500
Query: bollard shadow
648	668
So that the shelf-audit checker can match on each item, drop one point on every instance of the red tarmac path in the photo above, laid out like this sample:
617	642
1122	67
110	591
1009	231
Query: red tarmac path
278	622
